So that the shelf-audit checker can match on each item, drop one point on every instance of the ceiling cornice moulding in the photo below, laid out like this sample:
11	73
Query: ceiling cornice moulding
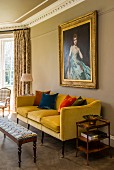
52	10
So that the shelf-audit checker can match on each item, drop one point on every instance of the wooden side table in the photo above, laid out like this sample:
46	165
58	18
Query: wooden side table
94	145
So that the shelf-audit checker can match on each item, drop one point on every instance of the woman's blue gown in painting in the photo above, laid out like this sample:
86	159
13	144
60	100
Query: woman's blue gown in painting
78	70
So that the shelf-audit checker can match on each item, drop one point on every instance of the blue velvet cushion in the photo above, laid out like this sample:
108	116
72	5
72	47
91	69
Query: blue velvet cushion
48	101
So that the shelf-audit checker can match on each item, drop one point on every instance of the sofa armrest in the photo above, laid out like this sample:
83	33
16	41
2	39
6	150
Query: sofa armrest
25	101
70	115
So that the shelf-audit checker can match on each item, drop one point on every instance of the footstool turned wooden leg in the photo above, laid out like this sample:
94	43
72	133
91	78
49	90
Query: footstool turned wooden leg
19	155
3	112
34	150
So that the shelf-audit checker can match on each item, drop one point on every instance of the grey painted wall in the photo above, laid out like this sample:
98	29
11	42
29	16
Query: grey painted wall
45	55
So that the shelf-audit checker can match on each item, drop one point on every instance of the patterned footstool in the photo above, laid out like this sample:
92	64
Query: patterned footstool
18	134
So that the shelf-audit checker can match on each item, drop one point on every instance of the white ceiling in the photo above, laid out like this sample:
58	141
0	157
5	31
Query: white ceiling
15	14
14	11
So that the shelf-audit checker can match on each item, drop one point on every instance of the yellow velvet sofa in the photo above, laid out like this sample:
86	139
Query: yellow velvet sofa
59	125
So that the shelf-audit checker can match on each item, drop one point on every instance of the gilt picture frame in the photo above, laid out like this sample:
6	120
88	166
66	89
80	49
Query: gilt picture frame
78	52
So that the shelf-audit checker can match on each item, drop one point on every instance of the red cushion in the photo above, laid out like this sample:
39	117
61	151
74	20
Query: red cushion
39	97
68	101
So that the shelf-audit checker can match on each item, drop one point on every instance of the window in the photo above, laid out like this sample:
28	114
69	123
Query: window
6	62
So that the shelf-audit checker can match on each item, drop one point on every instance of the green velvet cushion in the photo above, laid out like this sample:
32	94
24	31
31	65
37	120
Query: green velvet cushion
79	102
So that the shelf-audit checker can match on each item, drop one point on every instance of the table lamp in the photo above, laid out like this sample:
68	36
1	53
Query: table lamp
26	78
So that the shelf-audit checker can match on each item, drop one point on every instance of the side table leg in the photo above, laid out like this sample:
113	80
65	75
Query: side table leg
34	150
19	155
87	149
76	147
77	139
109	140
87	159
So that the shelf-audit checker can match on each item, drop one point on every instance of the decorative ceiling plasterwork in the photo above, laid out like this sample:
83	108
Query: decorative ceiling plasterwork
52	10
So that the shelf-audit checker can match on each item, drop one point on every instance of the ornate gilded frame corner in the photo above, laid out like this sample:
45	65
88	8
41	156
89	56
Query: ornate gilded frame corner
86	27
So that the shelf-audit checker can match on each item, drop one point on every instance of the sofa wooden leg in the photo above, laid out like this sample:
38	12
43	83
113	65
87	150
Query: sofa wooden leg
42	137
28	126
9	109
3	112
63	145
17	120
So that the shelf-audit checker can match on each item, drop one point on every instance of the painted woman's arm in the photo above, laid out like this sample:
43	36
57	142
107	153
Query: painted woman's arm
68	62
80	54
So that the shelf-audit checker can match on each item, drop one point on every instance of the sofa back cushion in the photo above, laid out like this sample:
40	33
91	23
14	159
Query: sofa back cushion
61	97
89	100
68	101
24	101
39	96
79	102
48	101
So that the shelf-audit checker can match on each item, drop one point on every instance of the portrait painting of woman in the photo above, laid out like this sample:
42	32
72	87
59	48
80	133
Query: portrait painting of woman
75	54
78	52
76	68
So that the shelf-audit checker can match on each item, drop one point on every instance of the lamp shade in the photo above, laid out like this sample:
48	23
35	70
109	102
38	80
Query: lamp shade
26	77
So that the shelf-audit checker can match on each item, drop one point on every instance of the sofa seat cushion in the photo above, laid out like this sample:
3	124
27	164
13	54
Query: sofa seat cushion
38	115
23	111
52	122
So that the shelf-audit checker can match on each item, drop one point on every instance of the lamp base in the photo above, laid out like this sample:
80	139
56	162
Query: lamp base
26	89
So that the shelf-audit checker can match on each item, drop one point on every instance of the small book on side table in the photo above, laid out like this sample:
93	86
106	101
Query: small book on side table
95	134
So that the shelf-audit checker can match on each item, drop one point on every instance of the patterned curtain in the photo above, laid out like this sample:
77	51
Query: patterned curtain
22	59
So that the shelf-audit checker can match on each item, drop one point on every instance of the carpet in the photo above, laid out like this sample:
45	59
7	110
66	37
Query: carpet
49	155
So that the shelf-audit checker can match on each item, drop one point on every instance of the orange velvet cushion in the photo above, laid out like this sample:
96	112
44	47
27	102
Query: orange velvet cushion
68	101
39	97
